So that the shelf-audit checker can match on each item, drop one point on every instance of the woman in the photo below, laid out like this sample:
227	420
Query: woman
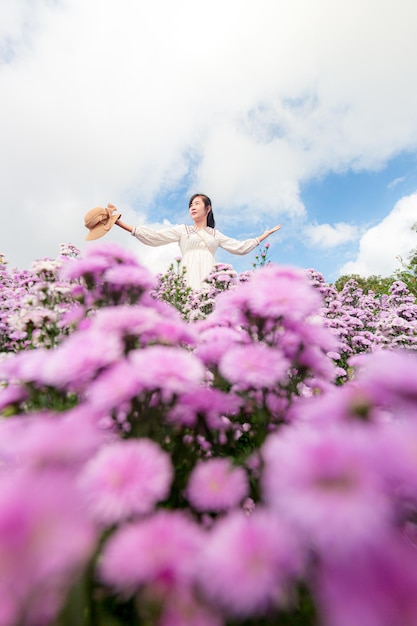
198	243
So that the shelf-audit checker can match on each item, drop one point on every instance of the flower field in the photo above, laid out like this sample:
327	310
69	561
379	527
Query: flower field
244	455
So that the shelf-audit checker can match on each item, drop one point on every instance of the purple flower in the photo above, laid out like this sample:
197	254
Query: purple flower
77	360
112	253
126	276
76	268
312	476
160	552
210	402
71	365
216	341
44	540
389	378
254	366
116	385
396	451
215	485
49	440
126	478
278	291
12	395
376	586
167	369
145	323
247	563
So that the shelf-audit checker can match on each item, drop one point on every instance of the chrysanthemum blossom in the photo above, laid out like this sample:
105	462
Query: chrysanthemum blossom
112	252
389	377
146	323
216	341
125	479
168	369
78	359
215	485
49	440
44	538
255	366
279	291
117	384
128	276
161	551
325	483
396	451
376	586
209	402
247	562
74	269
12	395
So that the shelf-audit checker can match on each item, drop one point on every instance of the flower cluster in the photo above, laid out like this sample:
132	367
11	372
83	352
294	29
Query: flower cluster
255	465
36	305
366	323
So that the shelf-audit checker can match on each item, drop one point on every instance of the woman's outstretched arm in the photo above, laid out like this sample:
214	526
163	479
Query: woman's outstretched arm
267	232
151	237
124	226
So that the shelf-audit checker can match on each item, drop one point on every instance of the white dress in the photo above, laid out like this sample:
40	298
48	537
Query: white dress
198	247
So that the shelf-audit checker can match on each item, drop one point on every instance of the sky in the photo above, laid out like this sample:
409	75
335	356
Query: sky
302	113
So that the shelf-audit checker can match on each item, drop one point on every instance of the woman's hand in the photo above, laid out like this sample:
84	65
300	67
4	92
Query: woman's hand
269	232
272	230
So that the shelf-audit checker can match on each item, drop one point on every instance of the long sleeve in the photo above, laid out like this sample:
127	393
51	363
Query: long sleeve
155	238
234	246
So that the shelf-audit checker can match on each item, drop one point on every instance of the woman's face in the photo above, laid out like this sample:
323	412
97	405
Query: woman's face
198	209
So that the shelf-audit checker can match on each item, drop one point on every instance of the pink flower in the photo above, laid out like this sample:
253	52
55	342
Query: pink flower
49	440
146	324
125	320
126	478
70	365
97	258
215	485
44	539
247	562
118	384
373	587
12	395
78	358
168	369
325	483
279	291
210	402
215	342
160	551
128	276
231	306
396	451
254	366
389	378
91	266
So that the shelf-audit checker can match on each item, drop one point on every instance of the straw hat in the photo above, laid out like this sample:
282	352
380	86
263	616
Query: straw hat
99	221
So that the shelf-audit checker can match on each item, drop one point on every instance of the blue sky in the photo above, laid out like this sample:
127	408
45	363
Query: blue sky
359	198
362	199
300	113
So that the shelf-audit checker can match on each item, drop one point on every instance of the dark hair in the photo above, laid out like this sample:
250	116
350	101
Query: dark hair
207	203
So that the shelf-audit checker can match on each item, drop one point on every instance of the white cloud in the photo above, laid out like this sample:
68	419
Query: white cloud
395	182
126	102
327	236
382	244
